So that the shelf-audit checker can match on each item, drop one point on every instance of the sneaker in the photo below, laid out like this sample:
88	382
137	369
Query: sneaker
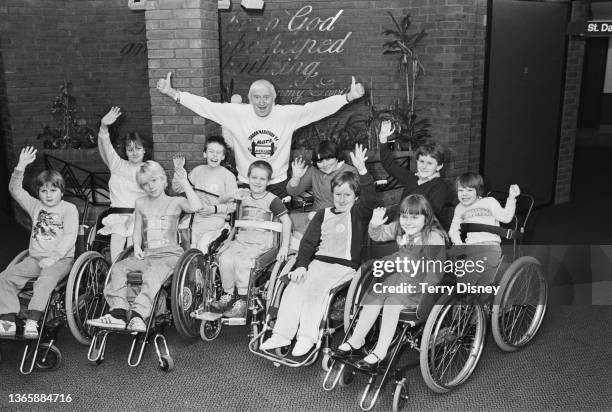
223	303
30	330
107	322
137	325
275	341
302	347
238	310
7	328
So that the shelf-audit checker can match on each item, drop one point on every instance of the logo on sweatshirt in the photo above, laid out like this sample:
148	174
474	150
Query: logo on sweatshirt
263	144
47	226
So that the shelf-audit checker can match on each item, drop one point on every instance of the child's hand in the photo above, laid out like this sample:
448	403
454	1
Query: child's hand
378	217
165	85
298	275
138	253
359	158
26	157
181	177
46	262
387	128
281	256
231	207
298	167
179	161
514	191
111	116
356	91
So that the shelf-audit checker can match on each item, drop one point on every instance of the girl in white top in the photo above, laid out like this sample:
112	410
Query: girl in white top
124	190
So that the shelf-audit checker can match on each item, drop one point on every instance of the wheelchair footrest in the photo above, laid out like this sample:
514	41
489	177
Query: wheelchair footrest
206	316
233	321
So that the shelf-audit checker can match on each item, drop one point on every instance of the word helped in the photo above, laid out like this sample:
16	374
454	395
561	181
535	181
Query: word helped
412	267
426	288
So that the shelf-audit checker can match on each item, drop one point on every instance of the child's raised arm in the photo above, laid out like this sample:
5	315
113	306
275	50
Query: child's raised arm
179	163
368	200
402	174
27	202
377	230
107	151
506	213
193	203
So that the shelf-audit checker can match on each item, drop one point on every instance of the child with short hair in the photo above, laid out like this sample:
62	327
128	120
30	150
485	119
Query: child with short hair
427	180
122	185
55	225
473	208
156	251
236	262
210	181
329	254
419	235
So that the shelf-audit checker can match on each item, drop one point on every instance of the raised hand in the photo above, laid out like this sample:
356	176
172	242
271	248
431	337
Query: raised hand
387	128
26	157
165	85
111	116
514	191
358	158
179	161
298	167
378	217
357	90
181	176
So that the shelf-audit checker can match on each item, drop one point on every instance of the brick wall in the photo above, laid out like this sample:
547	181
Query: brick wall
183	38
98	46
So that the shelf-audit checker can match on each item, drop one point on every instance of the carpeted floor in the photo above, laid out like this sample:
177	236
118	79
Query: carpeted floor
566	367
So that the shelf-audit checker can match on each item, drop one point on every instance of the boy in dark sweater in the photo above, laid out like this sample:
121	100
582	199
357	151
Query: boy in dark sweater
329	254
426	181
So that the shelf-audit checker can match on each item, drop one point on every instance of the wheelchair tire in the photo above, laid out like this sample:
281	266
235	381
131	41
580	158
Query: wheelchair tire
85	294
520	305
52	357
400	395
209	330
452	340
352	301
22	255
91	236
280	269
188	292
166	363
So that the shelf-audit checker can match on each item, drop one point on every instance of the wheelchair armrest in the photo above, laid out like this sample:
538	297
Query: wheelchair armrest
216	244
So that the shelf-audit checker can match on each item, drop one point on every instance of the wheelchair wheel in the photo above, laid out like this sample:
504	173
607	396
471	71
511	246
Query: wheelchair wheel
400	396
452	342
166	363
352	301
22	255
187	292
48	358
85	294
520	305
209	330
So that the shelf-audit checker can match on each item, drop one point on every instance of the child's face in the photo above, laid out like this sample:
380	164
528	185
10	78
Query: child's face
155	186
327	165
344	197
466	195
412	224
258	180
214	154
135	152
427	166
49	195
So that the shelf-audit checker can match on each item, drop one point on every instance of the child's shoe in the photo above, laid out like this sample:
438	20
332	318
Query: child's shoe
301	347
30	330
223	303
137	325
7	328
275	341
238	310
107	321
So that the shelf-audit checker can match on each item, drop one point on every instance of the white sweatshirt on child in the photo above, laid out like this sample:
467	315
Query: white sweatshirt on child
262	138
486	210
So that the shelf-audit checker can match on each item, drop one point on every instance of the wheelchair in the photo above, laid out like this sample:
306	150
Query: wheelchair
165	311
41	353
449	331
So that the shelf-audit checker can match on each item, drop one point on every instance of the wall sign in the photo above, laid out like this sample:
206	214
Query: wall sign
590	28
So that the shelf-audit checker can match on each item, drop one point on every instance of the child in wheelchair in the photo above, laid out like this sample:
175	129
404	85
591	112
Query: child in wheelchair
156	250
122	185
329	254
210	181
51	251
237	259
473	208
419	235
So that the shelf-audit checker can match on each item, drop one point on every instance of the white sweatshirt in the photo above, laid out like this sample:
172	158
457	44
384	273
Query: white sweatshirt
262	138
486	210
